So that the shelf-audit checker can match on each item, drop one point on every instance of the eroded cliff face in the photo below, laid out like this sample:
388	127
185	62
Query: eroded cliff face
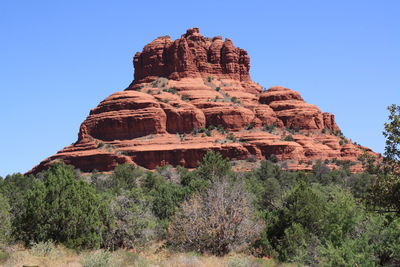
192	55
195	94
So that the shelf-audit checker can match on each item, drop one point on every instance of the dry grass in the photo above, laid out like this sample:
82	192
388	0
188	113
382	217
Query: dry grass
57	256
63	257
3	256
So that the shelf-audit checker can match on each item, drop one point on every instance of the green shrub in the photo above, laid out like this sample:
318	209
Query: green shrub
269	128
273	194
338	133
124	152
185	98
166	196
352	252
42	249
342	215
172	90
126	176
294	228
298	245
251	126
221	129
158	83
231	137
99	258
235	100
273	158
5	220
387	249
385	193
305	205
213	166
268	170
373	242
192	182
360	184
392	135
61	208
14	188
288	138
324	225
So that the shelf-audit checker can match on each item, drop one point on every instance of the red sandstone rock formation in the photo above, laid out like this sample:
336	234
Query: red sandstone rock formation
182	87
192	55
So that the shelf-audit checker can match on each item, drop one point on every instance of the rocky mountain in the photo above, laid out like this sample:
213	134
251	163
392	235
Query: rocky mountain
195	94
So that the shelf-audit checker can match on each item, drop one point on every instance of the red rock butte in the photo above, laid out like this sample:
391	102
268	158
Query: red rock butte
195	94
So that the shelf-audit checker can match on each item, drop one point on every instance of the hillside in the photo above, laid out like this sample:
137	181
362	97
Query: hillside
195	94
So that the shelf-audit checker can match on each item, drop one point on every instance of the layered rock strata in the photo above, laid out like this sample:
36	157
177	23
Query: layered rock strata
195	94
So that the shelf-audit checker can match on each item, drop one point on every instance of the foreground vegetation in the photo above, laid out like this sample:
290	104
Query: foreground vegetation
49	255
135	217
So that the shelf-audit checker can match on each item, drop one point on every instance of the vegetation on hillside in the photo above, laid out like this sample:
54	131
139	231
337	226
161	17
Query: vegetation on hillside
322	218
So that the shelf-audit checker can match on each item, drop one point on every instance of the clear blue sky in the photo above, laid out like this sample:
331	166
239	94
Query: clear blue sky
59	59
